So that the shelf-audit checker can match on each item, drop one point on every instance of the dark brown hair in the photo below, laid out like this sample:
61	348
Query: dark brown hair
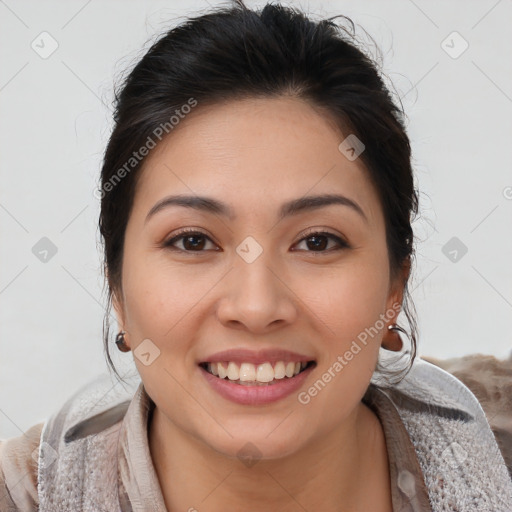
236	52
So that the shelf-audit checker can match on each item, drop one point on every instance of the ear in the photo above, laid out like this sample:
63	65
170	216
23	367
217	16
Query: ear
396	287
118	306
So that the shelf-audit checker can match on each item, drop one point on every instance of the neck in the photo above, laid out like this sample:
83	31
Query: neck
345	470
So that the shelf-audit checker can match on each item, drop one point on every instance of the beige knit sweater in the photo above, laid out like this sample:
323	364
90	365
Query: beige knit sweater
93	454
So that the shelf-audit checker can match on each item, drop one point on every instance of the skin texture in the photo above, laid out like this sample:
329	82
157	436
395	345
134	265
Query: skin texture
255	154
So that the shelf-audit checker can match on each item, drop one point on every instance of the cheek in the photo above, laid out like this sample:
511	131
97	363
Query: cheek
350	298
159	306
162	300
349	305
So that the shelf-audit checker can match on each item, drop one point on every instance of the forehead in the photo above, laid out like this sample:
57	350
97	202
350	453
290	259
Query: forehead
252	153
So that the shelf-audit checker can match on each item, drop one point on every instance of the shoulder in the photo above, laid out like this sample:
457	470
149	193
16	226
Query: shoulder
429	388
18	471
490	380
455	445
82	440
94	408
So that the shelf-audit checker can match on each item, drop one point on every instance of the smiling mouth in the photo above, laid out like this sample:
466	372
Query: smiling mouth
248	374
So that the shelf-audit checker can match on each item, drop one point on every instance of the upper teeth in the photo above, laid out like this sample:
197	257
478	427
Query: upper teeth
247	372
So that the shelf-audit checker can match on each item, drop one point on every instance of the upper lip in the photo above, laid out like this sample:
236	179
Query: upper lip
240	355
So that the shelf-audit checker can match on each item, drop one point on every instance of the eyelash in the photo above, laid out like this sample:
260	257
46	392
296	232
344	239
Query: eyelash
190	231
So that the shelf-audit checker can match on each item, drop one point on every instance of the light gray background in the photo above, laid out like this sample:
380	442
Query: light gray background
55	122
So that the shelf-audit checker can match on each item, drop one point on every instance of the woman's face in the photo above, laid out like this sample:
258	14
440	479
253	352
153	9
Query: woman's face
255	280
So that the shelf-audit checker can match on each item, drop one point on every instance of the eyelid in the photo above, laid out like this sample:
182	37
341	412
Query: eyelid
324	232
181	233
339	239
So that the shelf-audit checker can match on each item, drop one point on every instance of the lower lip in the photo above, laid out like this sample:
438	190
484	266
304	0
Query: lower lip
256	395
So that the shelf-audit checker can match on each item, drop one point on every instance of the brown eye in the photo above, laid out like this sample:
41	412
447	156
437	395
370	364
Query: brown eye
318	242
195	241
192	241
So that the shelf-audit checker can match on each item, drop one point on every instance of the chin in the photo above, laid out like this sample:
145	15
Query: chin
252	445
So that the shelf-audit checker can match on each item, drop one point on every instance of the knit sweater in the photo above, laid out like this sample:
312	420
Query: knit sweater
93	454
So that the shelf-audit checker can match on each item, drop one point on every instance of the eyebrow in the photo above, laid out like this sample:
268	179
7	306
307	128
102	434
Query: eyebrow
293	207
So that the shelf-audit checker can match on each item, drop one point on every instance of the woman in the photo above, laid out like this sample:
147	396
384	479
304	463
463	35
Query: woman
256	205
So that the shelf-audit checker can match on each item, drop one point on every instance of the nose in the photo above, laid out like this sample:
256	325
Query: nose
257	296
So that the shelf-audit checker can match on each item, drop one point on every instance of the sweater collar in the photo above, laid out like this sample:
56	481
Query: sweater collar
426	387
139	487
137	477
